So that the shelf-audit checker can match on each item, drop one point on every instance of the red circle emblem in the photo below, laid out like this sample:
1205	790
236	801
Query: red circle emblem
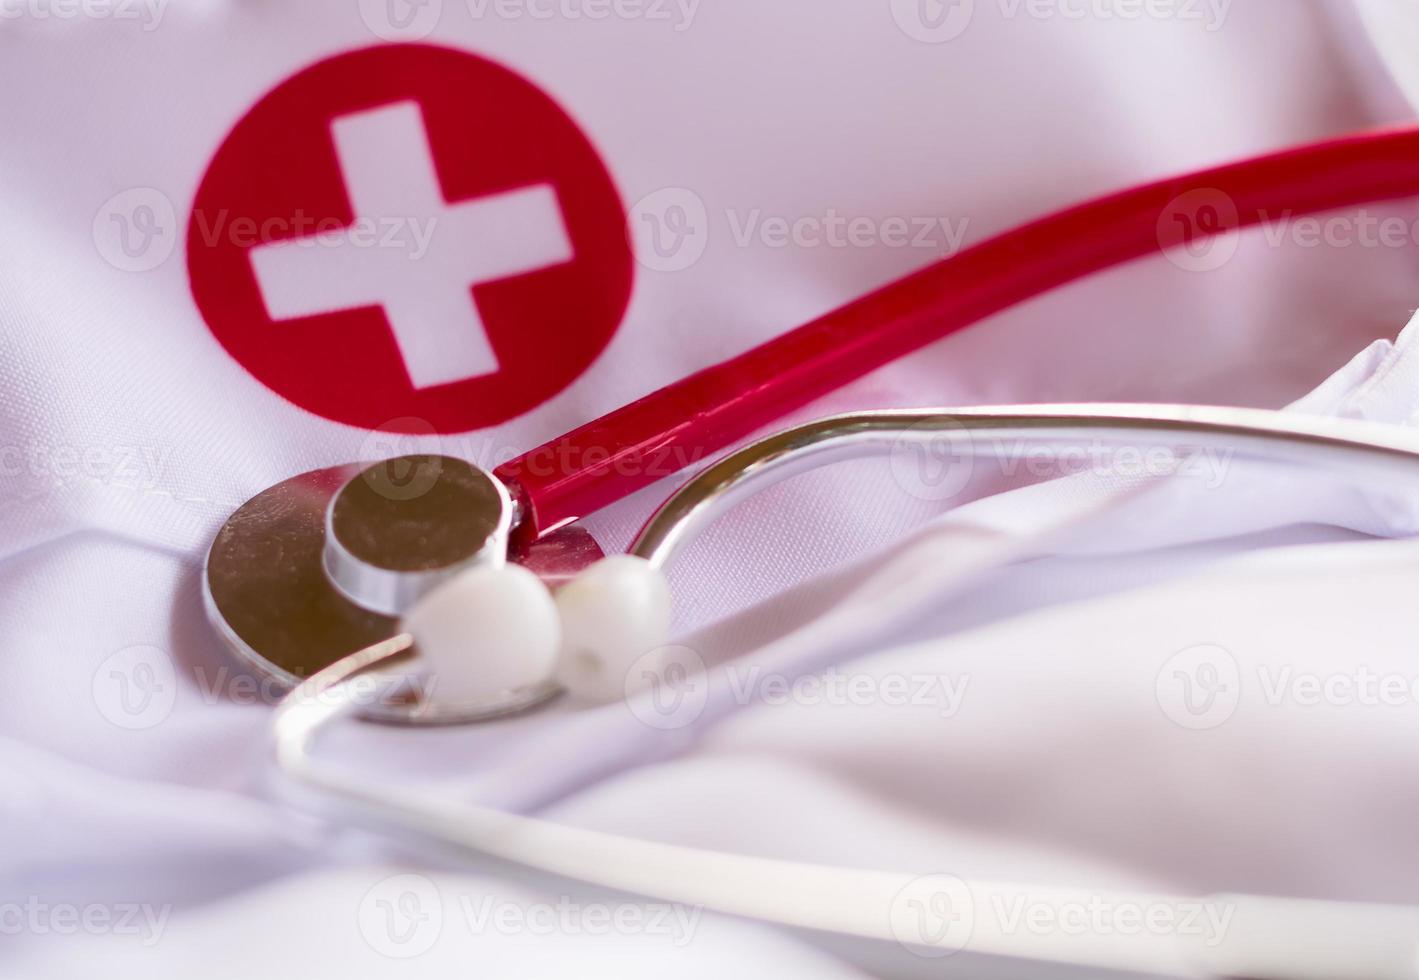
410	232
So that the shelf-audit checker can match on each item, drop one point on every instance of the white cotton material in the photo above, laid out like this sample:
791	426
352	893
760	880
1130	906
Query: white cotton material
1394	27
1016	653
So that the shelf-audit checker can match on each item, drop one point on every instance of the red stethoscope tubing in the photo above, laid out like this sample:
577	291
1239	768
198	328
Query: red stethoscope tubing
632	447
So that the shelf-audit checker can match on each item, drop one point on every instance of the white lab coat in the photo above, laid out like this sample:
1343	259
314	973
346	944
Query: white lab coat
1054	745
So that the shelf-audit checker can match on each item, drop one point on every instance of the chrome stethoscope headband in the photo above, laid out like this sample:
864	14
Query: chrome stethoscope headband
325	564
302	578
1268	938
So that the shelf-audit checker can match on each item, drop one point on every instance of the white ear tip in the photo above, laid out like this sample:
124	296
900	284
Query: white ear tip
612	614
485	632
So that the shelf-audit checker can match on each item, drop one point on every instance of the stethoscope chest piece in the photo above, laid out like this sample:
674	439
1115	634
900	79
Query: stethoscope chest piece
323	565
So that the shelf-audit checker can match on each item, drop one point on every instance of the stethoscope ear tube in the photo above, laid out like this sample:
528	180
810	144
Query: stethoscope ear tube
1357	449
1279	939
1265	938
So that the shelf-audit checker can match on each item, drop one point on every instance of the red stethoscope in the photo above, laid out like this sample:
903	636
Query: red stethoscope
328	563
354	573
726	403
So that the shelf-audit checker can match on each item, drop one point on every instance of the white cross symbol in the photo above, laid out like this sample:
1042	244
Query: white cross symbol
410	251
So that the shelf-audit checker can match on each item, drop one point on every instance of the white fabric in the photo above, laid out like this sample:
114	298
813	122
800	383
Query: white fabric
130	434
1394	25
